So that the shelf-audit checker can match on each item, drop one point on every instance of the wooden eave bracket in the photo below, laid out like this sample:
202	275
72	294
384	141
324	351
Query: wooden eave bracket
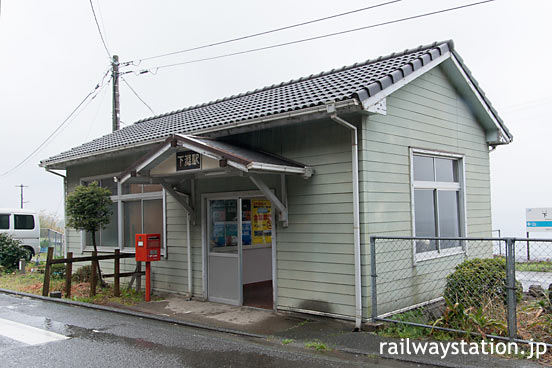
179	198
259	183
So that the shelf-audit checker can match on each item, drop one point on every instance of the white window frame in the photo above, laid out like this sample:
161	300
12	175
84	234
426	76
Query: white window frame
120	199
459	187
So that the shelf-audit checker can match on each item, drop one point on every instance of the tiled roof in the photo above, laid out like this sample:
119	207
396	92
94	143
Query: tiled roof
359	81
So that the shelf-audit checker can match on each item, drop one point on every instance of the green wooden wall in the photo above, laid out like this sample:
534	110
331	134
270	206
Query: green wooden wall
426	113
315	264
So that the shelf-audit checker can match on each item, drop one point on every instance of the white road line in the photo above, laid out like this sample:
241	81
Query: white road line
27	334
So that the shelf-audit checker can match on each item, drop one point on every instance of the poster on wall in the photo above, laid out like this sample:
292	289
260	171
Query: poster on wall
261	221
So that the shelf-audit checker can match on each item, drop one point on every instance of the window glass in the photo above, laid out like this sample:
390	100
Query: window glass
446	170
449	222
424	212
132	188
141	188
149	188
89	242
139	215
133	221
153	217
110	184
4	222
109	236
223	225
436	203
24	222
246	221
423	168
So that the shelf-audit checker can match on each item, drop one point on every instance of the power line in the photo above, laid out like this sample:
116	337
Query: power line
136	94
308	39
261	33
99	30
60	126
100	105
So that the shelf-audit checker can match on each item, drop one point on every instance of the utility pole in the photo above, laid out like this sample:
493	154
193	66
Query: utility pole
116	108
21	186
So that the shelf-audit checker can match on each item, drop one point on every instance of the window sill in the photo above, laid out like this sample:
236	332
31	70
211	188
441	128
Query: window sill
101	249
427	256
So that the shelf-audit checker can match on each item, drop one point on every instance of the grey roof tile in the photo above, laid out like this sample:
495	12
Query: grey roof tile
360	80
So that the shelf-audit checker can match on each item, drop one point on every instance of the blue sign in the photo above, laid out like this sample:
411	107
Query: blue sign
539	223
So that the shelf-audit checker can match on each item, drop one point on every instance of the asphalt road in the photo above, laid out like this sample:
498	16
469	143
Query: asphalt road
35	333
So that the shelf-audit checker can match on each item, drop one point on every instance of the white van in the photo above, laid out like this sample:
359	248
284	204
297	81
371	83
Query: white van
23	225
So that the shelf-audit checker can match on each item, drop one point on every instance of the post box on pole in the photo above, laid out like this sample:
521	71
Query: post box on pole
148	249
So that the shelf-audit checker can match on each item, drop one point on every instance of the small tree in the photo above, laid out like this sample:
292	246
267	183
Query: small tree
89	209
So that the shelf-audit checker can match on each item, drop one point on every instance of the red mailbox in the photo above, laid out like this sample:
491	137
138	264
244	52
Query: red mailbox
148	247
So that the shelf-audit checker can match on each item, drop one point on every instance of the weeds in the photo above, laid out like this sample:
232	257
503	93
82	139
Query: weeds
317	345
31	282
287	341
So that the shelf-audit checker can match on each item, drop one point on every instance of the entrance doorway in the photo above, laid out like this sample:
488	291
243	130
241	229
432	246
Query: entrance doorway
239	245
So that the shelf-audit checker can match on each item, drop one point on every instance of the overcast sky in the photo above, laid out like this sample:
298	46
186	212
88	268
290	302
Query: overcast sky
51	57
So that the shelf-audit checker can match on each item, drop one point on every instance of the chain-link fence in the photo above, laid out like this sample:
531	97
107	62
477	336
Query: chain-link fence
496	287
51	238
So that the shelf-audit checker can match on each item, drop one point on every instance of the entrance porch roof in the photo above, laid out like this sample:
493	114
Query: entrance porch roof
240	158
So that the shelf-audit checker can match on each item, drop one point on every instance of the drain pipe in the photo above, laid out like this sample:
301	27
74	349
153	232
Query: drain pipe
356	212
188	239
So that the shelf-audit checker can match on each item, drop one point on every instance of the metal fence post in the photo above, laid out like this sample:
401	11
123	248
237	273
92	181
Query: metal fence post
511	287
374	278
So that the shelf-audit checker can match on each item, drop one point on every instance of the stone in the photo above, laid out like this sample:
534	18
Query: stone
536	291
55	294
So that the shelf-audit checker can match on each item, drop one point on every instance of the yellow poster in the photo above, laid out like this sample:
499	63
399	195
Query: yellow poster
261	221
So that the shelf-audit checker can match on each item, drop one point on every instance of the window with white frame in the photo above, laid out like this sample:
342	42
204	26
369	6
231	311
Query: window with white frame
437	188
136	208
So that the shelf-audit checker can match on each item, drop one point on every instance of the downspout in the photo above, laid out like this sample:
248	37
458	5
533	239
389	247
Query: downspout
356	212
189	241
191	198
64	209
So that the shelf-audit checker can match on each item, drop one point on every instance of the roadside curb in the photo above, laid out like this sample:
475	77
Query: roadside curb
134	314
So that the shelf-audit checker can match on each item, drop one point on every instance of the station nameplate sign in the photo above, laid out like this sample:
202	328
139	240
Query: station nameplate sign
187	160
538	219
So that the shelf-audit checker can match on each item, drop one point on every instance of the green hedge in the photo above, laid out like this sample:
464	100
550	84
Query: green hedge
478	280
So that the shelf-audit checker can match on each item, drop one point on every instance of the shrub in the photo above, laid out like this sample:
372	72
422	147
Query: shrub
82	274
58	270
11	252
477	280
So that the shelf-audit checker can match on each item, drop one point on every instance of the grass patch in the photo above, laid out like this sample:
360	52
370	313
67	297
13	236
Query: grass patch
404	331
538	266
287	341
317	345
31	282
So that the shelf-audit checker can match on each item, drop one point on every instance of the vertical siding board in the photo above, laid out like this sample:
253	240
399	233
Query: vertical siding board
427	113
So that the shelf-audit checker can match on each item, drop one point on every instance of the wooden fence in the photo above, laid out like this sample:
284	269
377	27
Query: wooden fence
116	257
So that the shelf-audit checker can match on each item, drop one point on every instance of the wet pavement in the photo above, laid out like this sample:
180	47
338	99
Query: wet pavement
107	339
